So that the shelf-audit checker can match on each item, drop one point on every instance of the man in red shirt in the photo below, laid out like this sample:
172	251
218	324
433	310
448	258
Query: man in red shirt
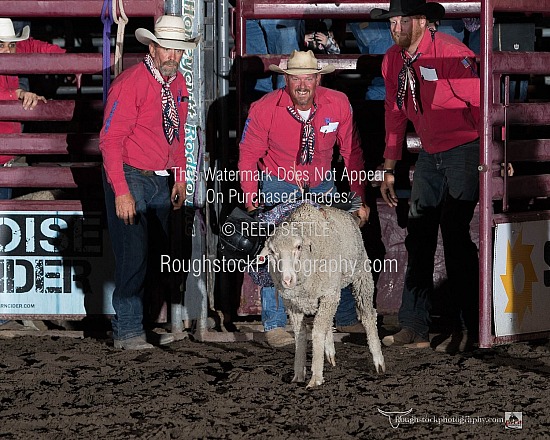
286	147
142	137
431	80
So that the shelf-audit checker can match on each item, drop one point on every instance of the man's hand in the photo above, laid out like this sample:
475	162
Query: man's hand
30	100
363	215
178	195
388	191
126	208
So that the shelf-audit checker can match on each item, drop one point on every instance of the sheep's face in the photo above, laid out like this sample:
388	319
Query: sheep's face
284	258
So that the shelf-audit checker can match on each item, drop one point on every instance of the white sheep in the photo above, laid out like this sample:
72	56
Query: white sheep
312	256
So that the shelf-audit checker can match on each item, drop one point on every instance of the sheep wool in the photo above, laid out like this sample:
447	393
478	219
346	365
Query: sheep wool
311	256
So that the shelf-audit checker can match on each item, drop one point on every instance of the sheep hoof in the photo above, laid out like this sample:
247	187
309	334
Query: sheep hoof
331	358
380	366
315	382
298	378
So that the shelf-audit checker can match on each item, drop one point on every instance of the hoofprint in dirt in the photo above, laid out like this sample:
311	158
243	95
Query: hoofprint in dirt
64	388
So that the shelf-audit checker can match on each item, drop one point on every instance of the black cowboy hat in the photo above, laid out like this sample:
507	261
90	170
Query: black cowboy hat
433	11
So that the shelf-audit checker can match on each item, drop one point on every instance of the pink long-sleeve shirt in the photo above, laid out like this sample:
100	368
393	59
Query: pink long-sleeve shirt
10	83
449	94
132	130
271	141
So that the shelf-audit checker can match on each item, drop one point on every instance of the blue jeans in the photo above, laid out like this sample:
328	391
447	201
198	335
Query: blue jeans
373	39
454	28
272	36
273	310
5	193
131	246
444	194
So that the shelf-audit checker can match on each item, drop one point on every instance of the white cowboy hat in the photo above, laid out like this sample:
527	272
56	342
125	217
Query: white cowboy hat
7	32
302	63
169	33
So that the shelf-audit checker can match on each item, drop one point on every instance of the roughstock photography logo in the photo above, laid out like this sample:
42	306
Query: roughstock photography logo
394	416
513	420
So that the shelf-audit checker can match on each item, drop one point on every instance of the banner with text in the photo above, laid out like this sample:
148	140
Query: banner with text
55	262
521	277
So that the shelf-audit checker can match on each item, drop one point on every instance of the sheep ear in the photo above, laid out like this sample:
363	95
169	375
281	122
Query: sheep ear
263	254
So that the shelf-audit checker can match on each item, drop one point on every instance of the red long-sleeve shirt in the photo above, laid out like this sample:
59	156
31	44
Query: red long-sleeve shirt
132	130
271	141
449	94
10	83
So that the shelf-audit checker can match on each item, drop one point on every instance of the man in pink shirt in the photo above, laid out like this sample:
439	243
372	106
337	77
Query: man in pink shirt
286	149
142	138
431	80
10	87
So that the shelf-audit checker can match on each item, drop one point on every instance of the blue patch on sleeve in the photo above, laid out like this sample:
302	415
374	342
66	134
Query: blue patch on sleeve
245	128
108	121
468	64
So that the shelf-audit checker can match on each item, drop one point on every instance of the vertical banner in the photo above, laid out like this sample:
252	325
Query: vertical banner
521	278
190	67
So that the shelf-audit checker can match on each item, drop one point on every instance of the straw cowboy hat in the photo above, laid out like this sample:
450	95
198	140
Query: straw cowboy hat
302	63
433	11
7	32
169	33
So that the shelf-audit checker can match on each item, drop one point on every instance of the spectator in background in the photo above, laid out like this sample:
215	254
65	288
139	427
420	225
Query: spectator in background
273	36
319	39
10	87
373	37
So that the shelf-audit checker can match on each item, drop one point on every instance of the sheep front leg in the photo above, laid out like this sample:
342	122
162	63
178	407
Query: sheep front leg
363	288
322	324
300	343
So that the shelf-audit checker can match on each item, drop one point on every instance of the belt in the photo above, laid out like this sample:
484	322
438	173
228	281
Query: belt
148	173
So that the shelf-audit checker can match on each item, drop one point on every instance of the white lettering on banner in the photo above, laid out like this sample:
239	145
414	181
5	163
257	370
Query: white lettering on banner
186	68
191	163
44	275
47	253
189	66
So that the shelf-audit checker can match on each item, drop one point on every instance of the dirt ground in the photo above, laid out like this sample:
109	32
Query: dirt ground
57	387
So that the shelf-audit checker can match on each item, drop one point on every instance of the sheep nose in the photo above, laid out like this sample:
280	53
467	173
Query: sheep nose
287	281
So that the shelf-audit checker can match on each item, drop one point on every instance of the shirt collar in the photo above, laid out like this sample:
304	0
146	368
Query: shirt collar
426	44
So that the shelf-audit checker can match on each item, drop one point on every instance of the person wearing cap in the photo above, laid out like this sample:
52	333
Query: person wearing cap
141	140
431	80
288	140
10	88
